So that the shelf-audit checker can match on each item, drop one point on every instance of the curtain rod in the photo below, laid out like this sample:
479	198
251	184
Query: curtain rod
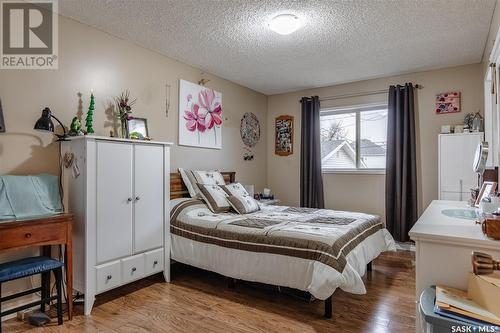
365	93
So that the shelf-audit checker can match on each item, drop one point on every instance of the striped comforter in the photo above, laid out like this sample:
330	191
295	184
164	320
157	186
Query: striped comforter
321	235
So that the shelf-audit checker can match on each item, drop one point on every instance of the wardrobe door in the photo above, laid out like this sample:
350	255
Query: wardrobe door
149	197
451	163
114	200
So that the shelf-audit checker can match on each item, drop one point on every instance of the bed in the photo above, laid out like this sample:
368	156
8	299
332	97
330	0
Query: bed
313	250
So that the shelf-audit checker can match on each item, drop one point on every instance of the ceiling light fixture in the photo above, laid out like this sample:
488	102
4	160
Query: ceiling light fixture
285	24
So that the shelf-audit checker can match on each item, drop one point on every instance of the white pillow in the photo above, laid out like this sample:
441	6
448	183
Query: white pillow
190	182
213	177
191	178
235	189
243	204
215	198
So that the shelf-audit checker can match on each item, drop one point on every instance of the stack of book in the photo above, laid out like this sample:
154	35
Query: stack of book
456	304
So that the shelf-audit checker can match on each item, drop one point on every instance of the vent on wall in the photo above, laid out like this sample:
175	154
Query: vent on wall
2	123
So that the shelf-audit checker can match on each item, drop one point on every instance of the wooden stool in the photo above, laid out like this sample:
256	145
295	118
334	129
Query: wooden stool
17	269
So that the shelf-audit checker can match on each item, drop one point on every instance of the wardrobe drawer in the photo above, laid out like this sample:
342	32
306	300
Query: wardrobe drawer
108	276
132	268
154	261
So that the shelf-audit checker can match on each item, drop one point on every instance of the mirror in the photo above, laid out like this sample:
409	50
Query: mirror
480	158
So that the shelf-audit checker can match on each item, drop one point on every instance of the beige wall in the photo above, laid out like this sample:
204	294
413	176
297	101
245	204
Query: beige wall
92	59
366	192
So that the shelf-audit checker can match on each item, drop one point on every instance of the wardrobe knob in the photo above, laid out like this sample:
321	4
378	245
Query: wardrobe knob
134	269
109	277
28	235
137	198
129	199
155	263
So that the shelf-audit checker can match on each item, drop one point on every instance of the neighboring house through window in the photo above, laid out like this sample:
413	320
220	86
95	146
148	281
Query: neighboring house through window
354	138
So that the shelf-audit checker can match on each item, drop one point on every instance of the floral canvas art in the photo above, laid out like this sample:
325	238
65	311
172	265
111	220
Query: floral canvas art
200	116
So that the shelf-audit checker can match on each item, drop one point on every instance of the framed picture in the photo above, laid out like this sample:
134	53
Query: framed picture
200	116
137	128
283	138
448	102
486	189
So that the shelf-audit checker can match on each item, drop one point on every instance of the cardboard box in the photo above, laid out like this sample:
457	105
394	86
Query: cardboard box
485	291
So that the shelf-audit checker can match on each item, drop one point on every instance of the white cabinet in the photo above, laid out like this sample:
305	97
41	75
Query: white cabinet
443	248
120	201
456	157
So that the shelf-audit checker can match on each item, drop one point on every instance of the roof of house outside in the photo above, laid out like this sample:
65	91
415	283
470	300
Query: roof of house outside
369	148
341	153
328	146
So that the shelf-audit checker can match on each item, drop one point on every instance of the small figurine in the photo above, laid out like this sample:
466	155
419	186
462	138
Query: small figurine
75	128
89	121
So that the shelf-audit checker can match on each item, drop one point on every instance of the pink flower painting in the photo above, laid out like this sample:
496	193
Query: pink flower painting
194	120
201	123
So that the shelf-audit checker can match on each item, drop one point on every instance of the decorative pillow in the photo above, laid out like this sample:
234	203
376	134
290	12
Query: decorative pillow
208	177
190	182
215	198
191	178
243	204
235	189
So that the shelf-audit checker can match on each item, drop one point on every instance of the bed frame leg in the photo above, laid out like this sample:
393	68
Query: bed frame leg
328	307
369	267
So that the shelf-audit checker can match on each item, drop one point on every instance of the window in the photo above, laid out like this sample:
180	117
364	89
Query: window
354	138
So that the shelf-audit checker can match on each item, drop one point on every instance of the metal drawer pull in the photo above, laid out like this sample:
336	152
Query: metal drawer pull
134	269
155	263
28	235
109	277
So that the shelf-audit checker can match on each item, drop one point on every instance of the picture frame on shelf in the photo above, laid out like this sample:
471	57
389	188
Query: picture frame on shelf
486	190
137	128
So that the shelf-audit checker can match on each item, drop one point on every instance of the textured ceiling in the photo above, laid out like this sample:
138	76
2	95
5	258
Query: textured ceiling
341	41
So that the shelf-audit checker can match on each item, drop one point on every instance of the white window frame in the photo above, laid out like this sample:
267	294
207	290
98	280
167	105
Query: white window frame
354	109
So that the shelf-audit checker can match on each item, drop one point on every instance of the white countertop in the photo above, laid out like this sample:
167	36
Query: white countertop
434	225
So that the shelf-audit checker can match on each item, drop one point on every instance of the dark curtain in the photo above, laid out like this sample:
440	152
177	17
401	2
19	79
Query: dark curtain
401	171
311	180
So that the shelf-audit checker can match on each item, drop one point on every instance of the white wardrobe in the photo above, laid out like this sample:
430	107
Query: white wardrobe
119	192
456	157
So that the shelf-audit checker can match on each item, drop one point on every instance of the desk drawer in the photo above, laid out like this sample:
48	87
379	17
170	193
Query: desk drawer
32	234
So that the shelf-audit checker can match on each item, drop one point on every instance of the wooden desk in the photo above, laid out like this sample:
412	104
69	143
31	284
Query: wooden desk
44	232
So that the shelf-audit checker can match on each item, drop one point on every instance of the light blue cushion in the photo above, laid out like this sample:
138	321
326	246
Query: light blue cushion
27	266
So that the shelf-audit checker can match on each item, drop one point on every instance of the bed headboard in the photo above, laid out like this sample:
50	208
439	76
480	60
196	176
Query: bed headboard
179	190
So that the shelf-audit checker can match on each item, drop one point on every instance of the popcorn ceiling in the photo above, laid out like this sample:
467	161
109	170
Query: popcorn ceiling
341	41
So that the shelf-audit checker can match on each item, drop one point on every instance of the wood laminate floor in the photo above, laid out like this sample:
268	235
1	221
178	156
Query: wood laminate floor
199	301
